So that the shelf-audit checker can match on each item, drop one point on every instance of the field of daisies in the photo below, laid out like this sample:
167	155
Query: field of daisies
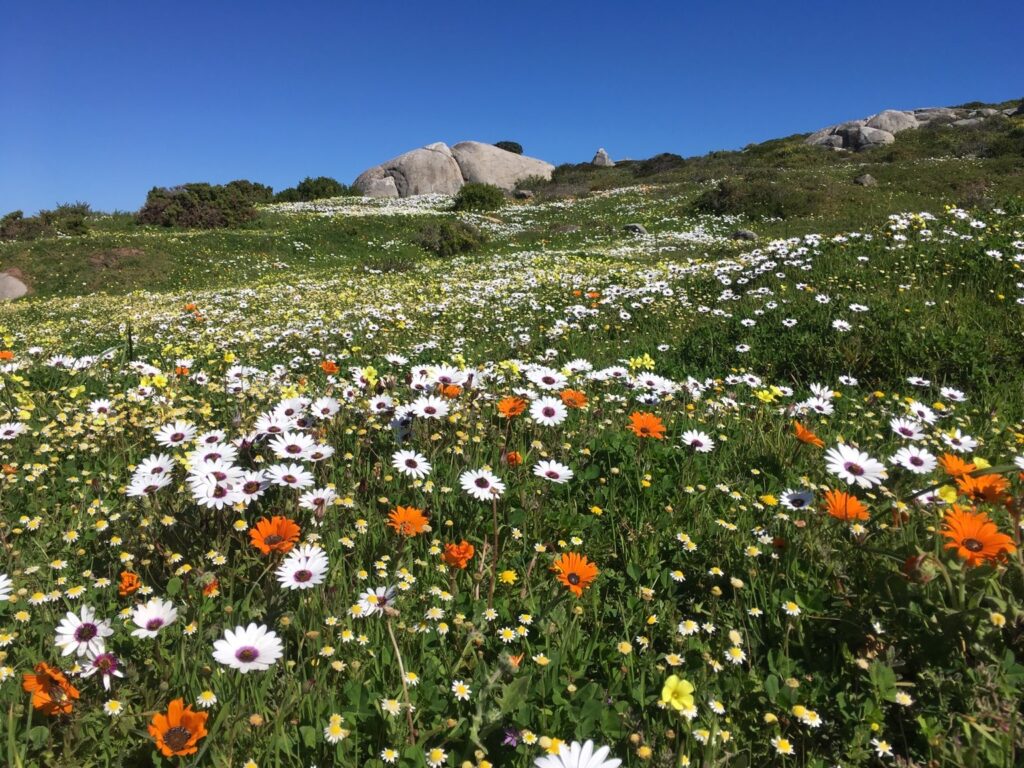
654	500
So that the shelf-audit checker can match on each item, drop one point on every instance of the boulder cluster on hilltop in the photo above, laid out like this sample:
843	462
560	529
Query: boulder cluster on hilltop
882	128
440	169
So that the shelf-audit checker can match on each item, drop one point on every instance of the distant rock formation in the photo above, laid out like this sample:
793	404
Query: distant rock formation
601	159
438	169
11	286
882	128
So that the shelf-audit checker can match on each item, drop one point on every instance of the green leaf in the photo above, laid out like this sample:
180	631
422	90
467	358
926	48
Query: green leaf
308	734
174	586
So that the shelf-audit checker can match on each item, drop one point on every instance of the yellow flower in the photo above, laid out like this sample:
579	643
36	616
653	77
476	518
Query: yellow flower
677	693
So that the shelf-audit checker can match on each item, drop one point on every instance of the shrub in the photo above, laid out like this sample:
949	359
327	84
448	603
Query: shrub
253	191
479	197
199	206
756	197
510	146
65	219
666	161
320	188
449	238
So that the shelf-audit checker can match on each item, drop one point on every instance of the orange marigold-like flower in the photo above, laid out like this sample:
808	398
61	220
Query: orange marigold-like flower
804	435
511	406
513	458
646	425
278	534
975	537
845	506
130	584
408	521
211	588
177	732
990	488
52	694
451	391
573	398
575	571
458	555
182	370
954	466
329	367
6	354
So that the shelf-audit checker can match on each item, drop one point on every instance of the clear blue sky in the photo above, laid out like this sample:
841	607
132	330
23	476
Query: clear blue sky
103	100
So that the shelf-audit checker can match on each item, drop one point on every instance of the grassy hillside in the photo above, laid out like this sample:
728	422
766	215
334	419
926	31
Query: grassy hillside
704	501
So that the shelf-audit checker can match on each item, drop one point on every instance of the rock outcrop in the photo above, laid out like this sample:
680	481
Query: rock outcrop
11	286
878	130
601	159
438	169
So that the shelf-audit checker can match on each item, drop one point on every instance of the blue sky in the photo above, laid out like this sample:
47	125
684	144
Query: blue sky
103	100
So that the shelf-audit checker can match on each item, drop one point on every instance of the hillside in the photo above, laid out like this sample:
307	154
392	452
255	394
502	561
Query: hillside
373	482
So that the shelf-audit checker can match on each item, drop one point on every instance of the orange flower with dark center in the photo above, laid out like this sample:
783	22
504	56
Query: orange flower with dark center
6	354
451	391
804	435
130	583
990	488
510	406
954	466
646	425
458	555
177	732
975	537
182	370
190	307
51	692
513	458
329	367
278	534
575	571
844	506
573	398
408	521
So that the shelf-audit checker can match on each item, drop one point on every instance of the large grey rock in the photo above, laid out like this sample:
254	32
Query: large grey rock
430	169
986	112
744	234
11	287
936	115
866	180
863	137
488	164
601	159
968	122
893	121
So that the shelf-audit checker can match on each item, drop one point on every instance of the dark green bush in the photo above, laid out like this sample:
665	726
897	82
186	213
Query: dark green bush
320	188
510	146
666	161
197	206
479	197
449	238
253	191
65	219
756	197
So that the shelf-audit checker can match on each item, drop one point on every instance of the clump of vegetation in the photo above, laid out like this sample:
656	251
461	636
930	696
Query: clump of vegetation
759	197
320	188
65	219
253	191
197	206
479	197
449	238
510	146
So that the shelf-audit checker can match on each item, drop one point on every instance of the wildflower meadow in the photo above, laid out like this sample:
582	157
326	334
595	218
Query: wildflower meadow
591	499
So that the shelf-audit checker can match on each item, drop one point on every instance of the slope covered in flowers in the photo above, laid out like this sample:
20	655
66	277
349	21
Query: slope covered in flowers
699	504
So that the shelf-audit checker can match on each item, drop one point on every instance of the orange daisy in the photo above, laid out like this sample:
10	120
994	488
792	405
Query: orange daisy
51	691
177	732
408	521
954	466
130	584
513	458
646	425
458	555
278	534
845	506
990	488
573	398
804	435
510	406
575	571
975	537
329	367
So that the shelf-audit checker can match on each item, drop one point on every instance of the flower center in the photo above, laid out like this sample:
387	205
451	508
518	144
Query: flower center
85	633
177	437
481	482
853	469
273	539
177	737
290	479
549	412
303	576
154	624
574	579
247	655
973	545
552	474
294	449
105	663
251	487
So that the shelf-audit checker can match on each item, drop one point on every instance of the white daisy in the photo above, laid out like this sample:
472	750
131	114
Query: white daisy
303	568
411	464
917	460
553	471
548	411
854	466
82	633
248	648
701	442
481	484
152	617
578	755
